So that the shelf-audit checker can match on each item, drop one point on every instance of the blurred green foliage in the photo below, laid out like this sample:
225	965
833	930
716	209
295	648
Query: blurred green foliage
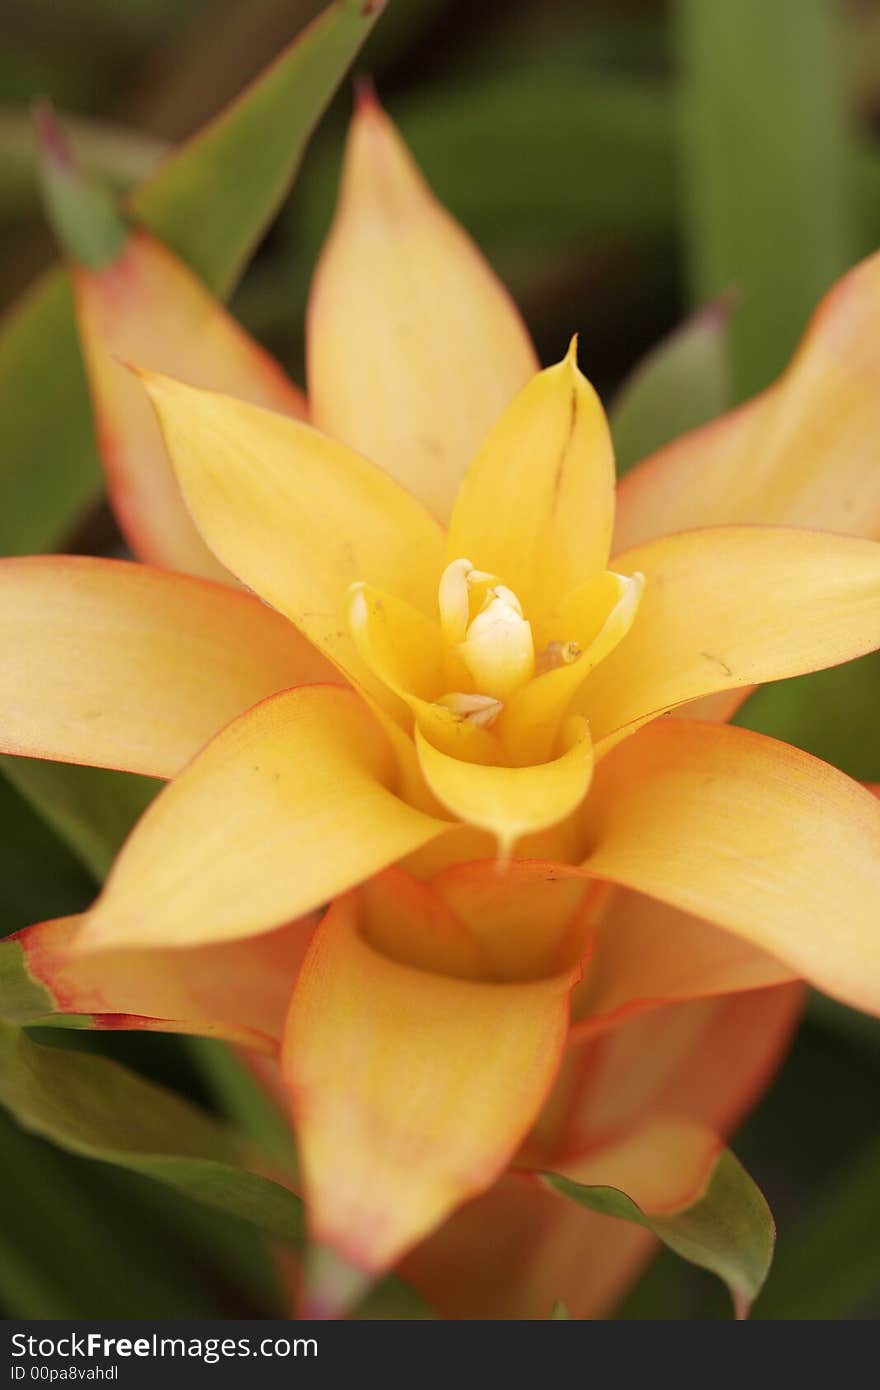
622	163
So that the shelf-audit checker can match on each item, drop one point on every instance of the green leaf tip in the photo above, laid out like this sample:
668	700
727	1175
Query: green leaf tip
83	215
727	1229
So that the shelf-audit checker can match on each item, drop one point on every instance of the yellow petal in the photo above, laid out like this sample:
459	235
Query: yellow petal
594	618
283	809
118	665
404	650
237	990
296	516
147	307
800	454
411	1090
731	607
537	504
647	954
511	802
410	922
756	836
414	347
530	917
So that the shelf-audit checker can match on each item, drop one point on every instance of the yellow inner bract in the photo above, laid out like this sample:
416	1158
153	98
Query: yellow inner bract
488	683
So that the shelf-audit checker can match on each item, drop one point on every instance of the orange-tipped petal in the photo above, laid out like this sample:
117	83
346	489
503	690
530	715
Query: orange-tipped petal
800	454
706	1060
647	954
537	504
295	515
752	834
119	665
414	347
237	990
287	806
733	606
146	307
662	1164
411	1089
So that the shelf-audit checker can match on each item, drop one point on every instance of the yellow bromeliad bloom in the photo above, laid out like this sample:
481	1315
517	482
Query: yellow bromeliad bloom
446	719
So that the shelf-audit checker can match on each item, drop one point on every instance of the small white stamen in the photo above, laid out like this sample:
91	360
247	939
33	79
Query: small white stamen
481	710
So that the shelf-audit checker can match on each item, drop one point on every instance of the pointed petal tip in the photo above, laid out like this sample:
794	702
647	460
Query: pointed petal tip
83	215
53	143
572	355
366	99
333	1285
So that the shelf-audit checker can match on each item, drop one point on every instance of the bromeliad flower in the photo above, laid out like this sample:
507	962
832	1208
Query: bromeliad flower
518	849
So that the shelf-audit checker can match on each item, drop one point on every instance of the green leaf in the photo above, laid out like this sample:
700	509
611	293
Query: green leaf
684	382
238	1096
832	714
84	214
119	157
727	1230
769	195
95	1108
22	998
211	201
49	472
61	1256
91	808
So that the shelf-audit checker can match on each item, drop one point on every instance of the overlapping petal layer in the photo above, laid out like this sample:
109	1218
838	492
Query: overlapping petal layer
733	606
285	808
147	307
297	516
411	1089
414	347
647	954
517	1250
530	917
801	454
511	802
706	1060
122	666
754	835
237	990
514	1251
536	506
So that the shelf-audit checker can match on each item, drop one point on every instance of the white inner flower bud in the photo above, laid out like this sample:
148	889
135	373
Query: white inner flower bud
484	620
498	649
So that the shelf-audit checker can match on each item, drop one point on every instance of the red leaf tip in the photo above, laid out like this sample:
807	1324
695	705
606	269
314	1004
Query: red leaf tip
365	99
52	137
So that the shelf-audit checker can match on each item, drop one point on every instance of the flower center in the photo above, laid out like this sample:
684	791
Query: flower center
483	621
